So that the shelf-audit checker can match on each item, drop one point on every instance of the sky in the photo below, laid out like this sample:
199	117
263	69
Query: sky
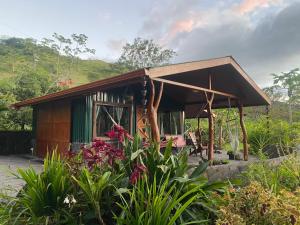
262	35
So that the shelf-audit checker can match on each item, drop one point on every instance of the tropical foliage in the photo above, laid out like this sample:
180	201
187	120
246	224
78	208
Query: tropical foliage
114	184
255	204
270	194
276	135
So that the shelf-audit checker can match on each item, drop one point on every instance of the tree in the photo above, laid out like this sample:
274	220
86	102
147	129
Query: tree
80	41
144	53
28	84
274	92
291	82
72	47
61	41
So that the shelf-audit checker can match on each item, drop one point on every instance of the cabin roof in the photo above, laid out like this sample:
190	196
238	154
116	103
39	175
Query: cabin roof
225	73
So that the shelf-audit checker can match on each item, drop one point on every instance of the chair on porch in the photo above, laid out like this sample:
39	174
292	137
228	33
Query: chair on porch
197	145
178	141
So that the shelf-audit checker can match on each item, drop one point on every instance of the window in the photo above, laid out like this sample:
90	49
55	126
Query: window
170	123
107	114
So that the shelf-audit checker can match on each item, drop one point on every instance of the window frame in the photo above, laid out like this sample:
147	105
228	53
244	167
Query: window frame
101	103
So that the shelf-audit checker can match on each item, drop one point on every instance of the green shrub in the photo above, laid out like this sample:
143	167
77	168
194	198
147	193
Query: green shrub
273	133
286	175
254	204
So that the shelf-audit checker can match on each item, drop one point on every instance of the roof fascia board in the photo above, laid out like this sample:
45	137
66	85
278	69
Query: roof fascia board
81	89
186	67
249	80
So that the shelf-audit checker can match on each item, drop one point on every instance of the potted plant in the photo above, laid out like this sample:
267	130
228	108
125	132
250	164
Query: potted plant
231	154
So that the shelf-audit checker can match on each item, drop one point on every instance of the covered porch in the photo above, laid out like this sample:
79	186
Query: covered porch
195	89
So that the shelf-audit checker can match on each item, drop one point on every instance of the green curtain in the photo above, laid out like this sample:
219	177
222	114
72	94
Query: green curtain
34	121
82	120
88	134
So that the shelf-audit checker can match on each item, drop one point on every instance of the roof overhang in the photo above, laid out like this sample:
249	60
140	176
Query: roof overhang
185	84
112	82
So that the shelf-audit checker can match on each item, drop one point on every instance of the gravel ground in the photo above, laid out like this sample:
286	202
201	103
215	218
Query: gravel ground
9	183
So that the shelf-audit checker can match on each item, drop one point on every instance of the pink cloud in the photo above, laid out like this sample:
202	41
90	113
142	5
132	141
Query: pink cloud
248	6
185	25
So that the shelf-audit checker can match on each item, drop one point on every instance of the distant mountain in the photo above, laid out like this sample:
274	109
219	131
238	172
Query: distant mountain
17	54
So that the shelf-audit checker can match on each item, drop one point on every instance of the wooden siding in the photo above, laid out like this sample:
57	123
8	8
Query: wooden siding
141	127
53	127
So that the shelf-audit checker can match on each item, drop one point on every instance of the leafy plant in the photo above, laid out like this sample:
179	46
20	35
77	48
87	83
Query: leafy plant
152	203
108	184
279	135
255	204
93	189
159	165
42	196
286	175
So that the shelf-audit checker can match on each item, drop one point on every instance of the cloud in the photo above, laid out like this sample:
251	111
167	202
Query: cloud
271	46
104	16
263	35
247	6
165	21
116	45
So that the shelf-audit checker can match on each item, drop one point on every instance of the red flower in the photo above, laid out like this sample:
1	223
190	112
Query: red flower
111	134
118	132
137	173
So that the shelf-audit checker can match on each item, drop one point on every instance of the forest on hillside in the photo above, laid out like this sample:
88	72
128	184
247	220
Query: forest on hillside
59	57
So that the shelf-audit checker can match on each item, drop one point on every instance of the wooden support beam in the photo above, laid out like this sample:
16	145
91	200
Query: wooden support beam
209	99
152	108
195	87
245	137
220	135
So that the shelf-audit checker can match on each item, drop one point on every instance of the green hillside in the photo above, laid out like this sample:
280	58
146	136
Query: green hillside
17	55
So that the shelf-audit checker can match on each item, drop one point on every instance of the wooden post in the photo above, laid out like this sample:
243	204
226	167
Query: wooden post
245	137
209	100
220	135
152	111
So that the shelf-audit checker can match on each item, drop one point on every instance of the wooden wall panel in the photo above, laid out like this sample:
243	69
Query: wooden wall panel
53	127
141	122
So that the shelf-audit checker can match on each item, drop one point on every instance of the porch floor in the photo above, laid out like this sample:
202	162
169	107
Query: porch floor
222	155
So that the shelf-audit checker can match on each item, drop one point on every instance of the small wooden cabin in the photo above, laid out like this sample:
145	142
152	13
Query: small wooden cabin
163	96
